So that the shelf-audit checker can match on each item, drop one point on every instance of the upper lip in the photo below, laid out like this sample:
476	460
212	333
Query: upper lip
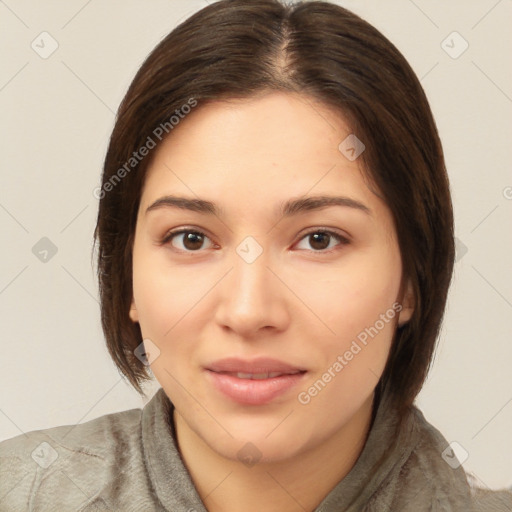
256	366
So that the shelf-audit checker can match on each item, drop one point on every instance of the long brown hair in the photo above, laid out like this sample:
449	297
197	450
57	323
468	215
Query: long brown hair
239	48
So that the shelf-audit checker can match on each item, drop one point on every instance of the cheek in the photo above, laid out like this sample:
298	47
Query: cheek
357	305
353	295
153	301
172	308
162	304
163	294
158	298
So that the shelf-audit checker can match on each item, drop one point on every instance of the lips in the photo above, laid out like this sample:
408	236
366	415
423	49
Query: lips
257	376
254	382
259	366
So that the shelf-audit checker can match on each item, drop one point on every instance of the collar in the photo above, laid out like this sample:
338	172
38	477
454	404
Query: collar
167	472
388	448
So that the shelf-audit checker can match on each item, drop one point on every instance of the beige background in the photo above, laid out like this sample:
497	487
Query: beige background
57	114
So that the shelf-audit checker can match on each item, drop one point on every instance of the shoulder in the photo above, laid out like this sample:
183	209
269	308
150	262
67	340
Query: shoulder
70	460
433	468
487	500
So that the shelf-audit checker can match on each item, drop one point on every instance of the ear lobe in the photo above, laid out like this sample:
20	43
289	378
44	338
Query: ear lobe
133	312
407	305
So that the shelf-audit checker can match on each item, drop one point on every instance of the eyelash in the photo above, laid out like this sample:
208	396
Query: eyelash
340	238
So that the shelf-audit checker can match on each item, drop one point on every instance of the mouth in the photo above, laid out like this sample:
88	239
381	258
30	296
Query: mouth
255	382
258	376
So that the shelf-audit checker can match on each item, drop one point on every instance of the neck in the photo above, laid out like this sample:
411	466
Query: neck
300	481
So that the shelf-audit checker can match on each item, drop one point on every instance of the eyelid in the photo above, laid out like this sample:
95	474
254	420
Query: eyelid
343	239
330	231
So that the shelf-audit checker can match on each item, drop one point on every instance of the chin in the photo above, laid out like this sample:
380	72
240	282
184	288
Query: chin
258	450
256	440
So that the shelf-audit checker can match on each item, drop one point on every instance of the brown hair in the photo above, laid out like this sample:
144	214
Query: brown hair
238	48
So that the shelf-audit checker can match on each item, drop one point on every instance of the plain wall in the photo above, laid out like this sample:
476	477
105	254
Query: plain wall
56	117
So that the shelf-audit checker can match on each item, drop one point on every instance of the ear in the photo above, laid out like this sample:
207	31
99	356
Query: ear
407	303
133	312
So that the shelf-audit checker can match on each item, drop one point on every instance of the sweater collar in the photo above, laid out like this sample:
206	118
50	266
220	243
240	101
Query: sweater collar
169	477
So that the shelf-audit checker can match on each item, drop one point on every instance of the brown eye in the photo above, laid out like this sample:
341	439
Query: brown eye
321	240
191	241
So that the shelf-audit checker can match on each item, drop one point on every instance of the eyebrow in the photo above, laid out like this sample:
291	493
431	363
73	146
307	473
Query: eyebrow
286	209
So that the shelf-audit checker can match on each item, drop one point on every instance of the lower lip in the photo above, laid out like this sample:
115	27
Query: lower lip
254	391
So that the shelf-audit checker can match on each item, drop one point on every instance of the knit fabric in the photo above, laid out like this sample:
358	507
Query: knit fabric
129	461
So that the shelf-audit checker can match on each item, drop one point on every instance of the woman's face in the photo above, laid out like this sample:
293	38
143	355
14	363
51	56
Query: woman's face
265	326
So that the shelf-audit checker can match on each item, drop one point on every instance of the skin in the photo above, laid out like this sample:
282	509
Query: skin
297	302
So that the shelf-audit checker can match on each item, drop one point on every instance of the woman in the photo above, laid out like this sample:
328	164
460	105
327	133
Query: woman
275	237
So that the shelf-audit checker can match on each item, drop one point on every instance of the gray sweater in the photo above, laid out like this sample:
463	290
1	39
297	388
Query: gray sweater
129	461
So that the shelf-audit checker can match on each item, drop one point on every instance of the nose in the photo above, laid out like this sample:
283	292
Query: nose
252	299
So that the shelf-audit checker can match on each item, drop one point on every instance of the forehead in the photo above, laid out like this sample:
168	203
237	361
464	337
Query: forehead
271	124
256	152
